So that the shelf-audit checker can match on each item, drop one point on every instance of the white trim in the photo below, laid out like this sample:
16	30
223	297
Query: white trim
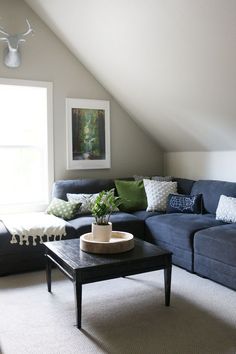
50	139
17	82
90	104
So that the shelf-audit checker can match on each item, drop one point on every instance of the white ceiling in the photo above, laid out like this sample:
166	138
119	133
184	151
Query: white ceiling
170	63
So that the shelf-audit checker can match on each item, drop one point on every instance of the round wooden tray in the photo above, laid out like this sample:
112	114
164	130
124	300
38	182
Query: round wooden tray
119	242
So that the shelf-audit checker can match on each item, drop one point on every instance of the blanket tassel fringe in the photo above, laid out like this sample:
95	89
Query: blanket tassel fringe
24	239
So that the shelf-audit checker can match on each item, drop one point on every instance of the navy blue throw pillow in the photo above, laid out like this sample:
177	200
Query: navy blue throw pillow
188	204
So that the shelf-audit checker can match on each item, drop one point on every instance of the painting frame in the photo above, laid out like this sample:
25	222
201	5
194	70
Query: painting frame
88	128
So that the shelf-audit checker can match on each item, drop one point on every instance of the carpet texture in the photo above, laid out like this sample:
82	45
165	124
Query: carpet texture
120	316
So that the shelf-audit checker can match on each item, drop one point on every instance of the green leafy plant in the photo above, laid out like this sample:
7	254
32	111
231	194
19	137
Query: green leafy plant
103	206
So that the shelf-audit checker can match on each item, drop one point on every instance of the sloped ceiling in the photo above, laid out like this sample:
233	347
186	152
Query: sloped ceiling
170	63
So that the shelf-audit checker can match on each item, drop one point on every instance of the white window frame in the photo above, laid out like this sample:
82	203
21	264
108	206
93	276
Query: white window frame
50	153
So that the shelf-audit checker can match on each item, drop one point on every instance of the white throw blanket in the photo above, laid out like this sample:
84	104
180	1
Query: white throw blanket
34	225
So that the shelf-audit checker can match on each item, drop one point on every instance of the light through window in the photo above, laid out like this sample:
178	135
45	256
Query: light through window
25	145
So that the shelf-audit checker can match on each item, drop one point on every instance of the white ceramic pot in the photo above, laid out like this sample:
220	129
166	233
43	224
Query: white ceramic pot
102	233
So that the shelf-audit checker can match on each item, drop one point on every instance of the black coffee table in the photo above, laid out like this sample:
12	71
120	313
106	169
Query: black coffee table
82	268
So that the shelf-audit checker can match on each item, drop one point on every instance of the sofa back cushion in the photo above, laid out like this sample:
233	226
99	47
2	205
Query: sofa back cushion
86	186
184	185
211	191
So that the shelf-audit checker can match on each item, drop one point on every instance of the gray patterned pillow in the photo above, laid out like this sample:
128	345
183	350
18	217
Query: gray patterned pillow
157	193
162	178
226	209
140	178
86	201
155	178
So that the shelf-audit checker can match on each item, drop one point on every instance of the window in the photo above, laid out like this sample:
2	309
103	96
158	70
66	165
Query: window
26	145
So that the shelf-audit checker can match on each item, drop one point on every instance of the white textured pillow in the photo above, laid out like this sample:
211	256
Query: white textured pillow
157	193
226	209
86	201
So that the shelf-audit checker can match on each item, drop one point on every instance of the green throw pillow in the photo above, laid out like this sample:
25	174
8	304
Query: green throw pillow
132	195
63	209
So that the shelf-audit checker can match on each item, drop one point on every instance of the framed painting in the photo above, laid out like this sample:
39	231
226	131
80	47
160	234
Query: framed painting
88	134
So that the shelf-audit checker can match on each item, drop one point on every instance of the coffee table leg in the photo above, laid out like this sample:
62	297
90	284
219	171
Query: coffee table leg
48	273
78	302
167	278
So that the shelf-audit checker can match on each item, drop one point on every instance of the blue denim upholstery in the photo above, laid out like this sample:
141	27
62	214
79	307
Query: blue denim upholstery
182	258
82	185
88	186
217	242
220	272
184	186
211	191
215	254
177	230
120	222
199	243
143	214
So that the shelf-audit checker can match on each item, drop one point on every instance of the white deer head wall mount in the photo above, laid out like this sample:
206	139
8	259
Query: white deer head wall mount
12	56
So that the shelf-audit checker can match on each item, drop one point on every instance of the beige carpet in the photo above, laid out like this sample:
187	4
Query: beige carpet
125	316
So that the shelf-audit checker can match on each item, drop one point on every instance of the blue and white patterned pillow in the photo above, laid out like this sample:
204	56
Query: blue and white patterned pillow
188	204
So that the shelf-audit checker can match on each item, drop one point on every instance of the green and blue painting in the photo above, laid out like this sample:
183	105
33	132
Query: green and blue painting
88	134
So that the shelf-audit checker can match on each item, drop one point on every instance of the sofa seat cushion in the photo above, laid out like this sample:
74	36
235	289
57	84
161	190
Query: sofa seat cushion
179	229
180	257
121	221
218	243
143	214
220	272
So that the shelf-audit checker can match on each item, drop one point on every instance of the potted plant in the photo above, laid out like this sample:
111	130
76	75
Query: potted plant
102	207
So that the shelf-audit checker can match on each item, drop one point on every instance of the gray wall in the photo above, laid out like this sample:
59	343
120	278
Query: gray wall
217	165
45	58
171	63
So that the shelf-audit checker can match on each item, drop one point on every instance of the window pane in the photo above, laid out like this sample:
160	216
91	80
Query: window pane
23	115
21	178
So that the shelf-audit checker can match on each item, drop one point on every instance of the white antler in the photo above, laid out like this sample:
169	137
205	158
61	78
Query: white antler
29	30
3	32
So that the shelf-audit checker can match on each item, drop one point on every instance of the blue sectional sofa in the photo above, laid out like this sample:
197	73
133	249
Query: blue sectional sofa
200	243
